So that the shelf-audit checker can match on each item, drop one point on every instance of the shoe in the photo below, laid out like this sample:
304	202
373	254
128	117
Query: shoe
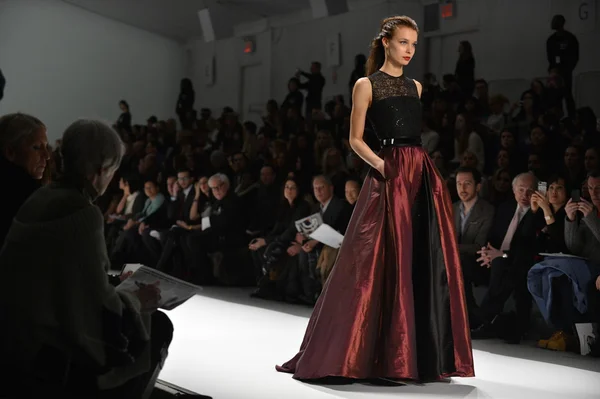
513	338
484	331
543	343
561	342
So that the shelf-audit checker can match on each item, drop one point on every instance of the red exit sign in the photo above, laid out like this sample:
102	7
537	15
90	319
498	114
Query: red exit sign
249	46
448	9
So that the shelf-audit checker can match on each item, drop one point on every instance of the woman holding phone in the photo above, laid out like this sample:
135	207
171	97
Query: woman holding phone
552	203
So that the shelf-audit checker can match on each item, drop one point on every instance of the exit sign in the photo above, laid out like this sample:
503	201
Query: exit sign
448	9
249	46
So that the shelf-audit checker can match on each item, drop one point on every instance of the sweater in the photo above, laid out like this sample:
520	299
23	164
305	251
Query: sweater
582	237
59	297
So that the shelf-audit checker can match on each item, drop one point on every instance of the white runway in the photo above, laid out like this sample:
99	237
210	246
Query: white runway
226	346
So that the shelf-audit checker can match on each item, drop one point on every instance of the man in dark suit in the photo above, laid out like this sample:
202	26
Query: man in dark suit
473	218
510	254
223	229
178	214
336	213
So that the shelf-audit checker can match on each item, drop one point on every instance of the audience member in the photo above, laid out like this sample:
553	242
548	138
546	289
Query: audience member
562	50
560	285
268	252
183	196
552	204
336	213
24	154
314	87
465	68
124	121
473	218
71	333
509	255
221	230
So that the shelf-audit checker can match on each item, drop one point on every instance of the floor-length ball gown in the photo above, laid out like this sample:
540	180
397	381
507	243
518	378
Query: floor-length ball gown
394	304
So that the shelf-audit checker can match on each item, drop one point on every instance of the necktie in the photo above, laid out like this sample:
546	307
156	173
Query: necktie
514	223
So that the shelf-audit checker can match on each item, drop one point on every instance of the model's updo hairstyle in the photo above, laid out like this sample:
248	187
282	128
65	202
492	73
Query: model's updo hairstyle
388	26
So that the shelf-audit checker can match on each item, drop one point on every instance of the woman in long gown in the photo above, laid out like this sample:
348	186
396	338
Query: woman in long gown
394	305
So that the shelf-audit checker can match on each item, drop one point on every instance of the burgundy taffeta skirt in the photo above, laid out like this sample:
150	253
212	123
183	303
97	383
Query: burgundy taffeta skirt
394	304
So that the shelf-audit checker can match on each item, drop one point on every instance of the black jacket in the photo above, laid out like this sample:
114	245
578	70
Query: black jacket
562	50
180	208
19	186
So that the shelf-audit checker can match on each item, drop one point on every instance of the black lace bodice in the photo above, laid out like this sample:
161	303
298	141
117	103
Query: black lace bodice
395	107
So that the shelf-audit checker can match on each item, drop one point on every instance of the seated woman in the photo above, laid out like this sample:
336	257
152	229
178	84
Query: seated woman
66	331
498	188
131	203
552	204
267	252
153	216
23	159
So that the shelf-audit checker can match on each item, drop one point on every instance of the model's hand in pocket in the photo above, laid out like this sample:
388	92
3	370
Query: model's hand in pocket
381	167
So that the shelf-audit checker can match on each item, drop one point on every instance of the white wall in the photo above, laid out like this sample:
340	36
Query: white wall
509	37
296	46
62	63
293	42
229	59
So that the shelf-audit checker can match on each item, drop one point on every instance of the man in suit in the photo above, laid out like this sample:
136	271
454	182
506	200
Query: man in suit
223	229
510	254
473	218
182	198
336	213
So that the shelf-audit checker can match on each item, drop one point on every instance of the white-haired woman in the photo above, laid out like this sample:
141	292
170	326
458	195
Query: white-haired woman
66	330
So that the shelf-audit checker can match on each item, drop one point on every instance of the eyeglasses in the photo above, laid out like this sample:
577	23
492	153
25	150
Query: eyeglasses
214	188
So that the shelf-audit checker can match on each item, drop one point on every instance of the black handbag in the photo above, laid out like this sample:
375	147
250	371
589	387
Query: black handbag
274	252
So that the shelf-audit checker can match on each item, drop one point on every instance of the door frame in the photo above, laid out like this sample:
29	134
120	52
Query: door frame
241	86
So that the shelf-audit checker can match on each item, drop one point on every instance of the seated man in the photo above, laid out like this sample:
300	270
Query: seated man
473	218
161	246
510	254
559	285
336	213
223	229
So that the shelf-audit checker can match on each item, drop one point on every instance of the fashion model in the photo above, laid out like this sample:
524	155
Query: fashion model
393	307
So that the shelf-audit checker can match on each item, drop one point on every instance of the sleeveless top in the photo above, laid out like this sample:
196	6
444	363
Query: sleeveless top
395	110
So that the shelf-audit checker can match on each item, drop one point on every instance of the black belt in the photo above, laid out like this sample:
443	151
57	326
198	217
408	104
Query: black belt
401	142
